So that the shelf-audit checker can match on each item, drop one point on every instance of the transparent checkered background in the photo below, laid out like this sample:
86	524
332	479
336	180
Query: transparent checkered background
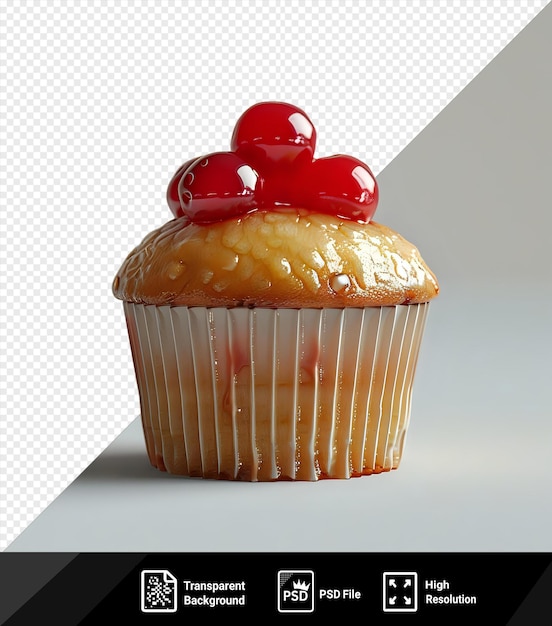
102	101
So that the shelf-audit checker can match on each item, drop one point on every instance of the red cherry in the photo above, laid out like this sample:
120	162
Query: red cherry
218	186
284	188
172	190
273	135
341	185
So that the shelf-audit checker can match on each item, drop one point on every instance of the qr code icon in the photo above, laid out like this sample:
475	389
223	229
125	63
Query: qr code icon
158	591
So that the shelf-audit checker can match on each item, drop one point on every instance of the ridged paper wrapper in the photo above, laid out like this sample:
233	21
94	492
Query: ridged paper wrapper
262	394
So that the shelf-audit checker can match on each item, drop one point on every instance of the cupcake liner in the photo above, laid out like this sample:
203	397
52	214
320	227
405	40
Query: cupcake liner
265	394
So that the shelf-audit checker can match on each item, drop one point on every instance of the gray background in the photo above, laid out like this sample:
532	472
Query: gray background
473	191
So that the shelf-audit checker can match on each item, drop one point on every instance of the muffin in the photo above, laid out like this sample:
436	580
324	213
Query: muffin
274	325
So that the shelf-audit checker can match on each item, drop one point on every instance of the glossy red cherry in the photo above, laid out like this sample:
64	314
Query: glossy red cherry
273	135
172	190
280	189
341	185
218	186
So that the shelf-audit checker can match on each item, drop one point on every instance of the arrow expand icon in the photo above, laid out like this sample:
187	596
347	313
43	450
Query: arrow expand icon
400	592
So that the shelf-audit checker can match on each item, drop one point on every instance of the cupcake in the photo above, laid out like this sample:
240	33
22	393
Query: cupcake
274	325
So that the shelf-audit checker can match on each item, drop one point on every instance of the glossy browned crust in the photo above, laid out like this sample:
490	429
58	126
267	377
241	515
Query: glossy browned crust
284	259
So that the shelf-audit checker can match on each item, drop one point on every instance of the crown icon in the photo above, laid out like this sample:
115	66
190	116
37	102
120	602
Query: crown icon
301	585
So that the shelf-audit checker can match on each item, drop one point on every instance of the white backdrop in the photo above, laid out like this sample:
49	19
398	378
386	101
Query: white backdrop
102	101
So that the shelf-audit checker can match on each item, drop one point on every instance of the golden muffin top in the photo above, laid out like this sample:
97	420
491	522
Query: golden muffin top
266	224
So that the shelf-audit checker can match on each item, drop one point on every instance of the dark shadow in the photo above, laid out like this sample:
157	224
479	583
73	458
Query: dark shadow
132	465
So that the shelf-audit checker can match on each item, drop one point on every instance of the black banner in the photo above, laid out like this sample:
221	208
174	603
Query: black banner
383	588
